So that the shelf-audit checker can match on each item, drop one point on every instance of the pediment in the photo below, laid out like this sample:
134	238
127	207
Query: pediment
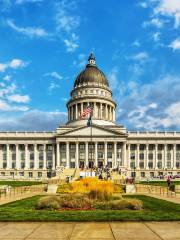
96	131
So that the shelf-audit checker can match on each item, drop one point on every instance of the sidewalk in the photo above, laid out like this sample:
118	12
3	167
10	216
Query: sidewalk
88	231
9	199
174	199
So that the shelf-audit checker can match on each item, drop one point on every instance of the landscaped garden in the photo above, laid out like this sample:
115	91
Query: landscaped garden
160	183
90	200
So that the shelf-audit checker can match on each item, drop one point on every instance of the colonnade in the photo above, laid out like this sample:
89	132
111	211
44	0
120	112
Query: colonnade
100	110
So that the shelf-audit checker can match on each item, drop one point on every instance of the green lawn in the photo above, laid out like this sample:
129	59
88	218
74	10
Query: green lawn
19	183
160	183
154	210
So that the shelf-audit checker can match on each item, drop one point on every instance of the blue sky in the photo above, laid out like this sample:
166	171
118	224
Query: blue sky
44	44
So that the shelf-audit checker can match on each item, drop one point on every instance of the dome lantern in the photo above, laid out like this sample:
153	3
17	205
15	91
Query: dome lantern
91	59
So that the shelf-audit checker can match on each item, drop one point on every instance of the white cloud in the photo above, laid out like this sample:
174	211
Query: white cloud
113	78
7	90
71	43
65	19
18	98
156	36
28	1
5	107
7	78
143	4
14	63
141	56
175	45
156	22
35	120
170	8
28	31
81	61
53	86
53	75
136	43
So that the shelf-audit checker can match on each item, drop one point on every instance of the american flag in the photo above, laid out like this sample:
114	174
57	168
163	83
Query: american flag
86	111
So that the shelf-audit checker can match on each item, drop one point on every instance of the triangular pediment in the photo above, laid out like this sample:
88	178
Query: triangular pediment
96	131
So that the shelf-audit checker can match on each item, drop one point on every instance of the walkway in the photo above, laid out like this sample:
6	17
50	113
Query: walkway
9	199
174	199
88	231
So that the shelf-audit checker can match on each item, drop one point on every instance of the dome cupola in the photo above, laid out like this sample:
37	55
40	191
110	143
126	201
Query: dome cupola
91	88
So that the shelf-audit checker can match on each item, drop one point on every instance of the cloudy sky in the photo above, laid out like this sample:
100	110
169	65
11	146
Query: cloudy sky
44	44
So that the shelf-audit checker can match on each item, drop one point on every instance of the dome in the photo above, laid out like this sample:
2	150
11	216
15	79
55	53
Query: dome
91	74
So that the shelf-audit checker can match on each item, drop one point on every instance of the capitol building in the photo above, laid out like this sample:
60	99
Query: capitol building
104	143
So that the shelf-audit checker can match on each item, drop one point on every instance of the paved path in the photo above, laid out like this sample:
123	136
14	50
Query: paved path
174	199
90	231
8	199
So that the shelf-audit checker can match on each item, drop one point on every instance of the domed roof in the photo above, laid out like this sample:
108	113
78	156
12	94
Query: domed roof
91	74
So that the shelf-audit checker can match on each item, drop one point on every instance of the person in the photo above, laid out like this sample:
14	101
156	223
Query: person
168	181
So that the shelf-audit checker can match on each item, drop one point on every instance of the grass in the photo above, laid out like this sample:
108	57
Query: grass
154	210
160	183
15	183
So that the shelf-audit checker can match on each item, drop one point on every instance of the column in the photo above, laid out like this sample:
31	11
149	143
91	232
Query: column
72	113
146	159
101	110
53	157
9	162
1	157
81	108
17	157
57	154
106	111
115	155
86	154
124	156
165	156
156	153
77	155
105	153
113	114
129	157
67	154
96	154
36	160
76	111
137	157
174	156
26	157
44	157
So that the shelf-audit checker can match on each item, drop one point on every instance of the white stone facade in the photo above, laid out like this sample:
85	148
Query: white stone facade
75	145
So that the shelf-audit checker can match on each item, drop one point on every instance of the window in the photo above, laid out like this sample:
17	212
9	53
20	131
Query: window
41	156
141	147
141	165
30	174
159	164
109	146
31	156
178	156
49	156
31	165
133	147
4	164
4	156
13	165
168	164
14	156
100	146
81	156
159	156
178	165
141	156
160	147
150	165
132	156
2	173
22	156
22	165
39	174
142	174
150	156
40	165
151	147
63	146
21	174
72	146
40	147
100	154
132	165
49	147
81	146
168	156
109	154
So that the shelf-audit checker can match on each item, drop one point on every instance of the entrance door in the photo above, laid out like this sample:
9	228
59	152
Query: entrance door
81	164
91	164
100	164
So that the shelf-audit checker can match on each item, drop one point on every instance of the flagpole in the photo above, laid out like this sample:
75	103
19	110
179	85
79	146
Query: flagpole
91	146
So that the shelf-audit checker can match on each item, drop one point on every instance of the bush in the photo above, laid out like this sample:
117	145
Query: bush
51	203
122	204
